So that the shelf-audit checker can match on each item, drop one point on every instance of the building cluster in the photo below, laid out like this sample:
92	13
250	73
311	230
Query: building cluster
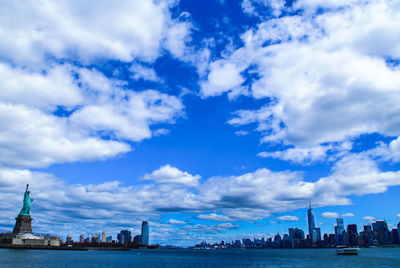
124	238
377	234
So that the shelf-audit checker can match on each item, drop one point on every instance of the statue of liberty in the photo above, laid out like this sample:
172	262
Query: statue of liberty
26	209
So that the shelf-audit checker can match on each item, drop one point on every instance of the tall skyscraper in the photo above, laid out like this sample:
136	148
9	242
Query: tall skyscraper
81	238
340	226
311	222
103	237
145	233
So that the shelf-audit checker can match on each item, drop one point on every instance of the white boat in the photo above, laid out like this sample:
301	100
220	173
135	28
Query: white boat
347	251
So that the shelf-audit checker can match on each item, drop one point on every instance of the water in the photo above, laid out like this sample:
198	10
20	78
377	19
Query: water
376	257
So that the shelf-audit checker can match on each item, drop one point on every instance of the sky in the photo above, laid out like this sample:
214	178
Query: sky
213	120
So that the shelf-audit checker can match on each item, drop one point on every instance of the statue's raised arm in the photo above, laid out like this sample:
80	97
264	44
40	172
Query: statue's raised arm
26	209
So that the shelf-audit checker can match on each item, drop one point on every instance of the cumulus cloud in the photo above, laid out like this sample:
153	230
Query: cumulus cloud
213	229
62	114
340	84
173	221
330	215
142	72
251	196
268	8
288	218
54	109
368	218
398	216
349	214
124	31
171	175
214	217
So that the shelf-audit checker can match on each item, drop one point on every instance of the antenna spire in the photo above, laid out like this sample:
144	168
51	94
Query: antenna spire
309	202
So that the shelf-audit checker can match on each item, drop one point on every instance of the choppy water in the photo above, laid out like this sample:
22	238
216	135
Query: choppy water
376	257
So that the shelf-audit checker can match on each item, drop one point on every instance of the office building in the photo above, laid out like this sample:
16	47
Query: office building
103	237
339	226
316	235
311	222
145	233
124	237
381	232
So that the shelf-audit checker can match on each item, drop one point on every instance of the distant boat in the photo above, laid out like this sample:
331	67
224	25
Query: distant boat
347	251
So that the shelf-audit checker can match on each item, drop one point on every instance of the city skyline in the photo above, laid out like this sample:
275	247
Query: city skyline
209	120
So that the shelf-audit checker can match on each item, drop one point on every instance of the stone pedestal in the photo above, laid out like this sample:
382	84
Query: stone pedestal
23	225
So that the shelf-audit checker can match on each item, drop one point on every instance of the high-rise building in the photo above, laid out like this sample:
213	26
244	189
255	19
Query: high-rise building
339	226
316	235
311	222
124	237
352	235
137	239
109	239
103	237
381	232
145	233
81	238
95	239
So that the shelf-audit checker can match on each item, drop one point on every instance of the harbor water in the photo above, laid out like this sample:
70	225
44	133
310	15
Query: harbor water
370	257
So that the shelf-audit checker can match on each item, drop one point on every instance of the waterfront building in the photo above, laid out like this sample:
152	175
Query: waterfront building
316	235
339	226
352	235
109	239
103	237
145	233
137	239
95	239
124	237
311	222
381	232
81	238
394	234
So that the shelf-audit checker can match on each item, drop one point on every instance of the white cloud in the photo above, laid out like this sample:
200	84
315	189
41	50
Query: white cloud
55	116
349	214
369	218
251	196
207	229
255	7
31	138
173	221
214	217
56	87
288	218
171	175
142	72
123	31
330	215
398	216
325	75
223	76
241	133
129	116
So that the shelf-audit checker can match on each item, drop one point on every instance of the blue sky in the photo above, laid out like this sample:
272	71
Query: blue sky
212	119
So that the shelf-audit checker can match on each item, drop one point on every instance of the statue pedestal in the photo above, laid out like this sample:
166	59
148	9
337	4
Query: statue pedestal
23	225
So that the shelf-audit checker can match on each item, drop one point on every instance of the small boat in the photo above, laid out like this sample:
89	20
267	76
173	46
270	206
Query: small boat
347	251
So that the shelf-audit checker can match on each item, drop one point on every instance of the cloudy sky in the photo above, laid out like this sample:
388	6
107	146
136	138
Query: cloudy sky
211	119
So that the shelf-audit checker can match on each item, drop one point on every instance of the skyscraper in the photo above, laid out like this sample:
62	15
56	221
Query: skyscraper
103	237
311	222
145	233
340	226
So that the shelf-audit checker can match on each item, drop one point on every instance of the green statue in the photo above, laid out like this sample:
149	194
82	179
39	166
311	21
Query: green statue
26	209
